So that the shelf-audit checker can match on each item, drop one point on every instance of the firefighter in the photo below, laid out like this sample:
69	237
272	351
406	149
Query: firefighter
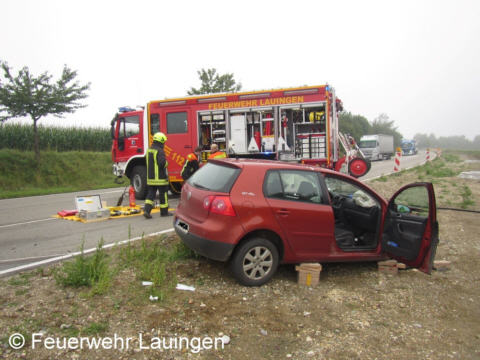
157	176
215	153
192	164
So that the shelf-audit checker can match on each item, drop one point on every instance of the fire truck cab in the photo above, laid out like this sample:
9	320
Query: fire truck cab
290	124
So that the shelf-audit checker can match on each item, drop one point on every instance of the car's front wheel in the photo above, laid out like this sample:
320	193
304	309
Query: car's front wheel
255	262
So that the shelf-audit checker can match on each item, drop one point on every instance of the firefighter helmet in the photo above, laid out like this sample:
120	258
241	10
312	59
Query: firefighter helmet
160	137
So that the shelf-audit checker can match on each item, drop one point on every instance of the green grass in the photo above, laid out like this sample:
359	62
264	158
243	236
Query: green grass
21	175
466	195
151	260
95	329
90	271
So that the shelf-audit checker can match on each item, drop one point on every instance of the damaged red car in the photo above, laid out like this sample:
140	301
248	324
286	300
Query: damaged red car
258	214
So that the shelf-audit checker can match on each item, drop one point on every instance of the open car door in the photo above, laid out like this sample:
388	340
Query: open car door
410	232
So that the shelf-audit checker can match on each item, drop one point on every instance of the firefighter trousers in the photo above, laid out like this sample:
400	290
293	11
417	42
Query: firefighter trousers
163	194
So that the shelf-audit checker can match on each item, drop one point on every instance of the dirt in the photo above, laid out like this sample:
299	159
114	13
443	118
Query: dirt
355	312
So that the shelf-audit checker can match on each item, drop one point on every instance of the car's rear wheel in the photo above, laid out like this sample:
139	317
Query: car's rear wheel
255	262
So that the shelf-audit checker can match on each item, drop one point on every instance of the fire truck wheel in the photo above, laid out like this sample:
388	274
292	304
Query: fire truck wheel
139	182
358	167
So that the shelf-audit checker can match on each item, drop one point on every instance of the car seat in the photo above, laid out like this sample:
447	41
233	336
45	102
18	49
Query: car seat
306	190
344	237
274	189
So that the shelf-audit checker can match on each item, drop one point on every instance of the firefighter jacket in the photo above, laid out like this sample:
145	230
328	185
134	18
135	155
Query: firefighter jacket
217	155
191	165
157	164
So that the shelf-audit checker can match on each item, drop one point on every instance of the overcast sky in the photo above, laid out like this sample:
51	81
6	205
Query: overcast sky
418	61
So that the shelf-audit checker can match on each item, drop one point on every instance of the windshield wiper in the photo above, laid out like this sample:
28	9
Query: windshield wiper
200	186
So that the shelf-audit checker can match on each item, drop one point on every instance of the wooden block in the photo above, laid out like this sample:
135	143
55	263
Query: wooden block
391	270
308	279
388	263
401	266
308	274
309	266
442	265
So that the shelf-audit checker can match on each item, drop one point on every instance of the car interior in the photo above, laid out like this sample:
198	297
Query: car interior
357	215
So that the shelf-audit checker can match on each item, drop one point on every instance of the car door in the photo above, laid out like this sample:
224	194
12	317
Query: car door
410	232
296	199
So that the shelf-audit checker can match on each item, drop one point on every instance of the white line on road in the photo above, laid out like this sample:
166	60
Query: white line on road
27	222
67	256
30	258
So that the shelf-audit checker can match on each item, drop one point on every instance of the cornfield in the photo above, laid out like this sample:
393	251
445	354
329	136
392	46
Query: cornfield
61	139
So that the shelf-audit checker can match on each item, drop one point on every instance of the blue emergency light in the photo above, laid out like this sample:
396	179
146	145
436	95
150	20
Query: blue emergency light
125	109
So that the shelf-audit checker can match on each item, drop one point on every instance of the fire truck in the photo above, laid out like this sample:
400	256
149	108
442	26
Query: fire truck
289	124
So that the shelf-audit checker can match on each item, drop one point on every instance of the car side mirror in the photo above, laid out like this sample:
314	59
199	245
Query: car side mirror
403	209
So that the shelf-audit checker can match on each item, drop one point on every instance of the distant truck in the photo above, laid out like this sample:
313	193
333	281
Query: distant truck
409	147
376	147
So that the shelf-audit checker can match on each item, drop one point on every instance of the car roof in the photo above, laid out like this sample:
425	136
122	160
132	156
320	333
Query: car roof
270	164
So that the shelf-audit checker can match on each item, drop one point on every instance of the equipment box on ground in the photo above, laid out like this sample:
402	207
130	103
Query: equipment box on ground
94	215
90	208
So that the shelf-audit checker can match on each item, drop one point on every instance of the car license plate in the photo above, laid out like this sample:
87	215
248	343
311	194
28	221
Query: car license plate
182	226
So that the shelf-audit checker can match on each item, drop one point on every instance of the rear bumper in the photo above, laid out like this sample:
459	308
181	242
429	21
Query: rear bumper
210	249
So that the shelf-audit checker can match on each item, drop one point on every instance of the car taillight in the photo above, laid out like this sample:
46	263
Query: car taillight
219	205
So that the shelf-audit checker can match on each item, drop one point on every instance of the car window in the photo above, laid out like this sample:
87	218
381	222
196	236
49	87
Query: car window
215	177
293	185
340	187
413	201
273	185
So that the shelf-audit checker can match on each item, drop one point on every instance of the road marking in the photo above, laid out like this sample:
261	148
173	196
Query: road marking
67	256
30	258
27	222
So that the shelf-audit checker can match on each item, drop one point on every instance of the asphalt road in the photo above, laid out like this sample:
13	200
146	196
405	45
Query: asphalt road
30	236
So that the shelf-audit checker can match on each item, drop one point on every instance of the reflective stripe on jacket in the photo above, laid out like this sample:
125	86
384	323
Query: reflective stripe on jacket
157	165
217	155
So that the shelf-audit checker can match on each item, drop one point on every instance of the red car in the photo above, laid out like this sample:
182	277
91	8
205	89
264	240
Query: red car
260	213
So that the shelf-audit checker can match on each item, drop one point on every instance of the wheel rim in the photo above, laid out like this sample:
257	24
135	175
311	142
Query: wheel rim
137	183
358	167
257	263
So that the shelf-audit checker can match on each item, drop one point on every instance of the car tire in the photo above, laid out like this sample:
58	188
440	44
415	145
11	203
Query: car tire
255	262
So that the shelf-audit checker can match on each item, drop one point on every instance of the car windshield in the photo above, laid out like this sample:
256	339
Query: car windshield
215	177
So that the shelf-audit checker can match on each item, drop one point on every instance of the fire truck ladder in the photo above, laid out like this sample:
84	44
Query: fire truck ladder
351	149
349	152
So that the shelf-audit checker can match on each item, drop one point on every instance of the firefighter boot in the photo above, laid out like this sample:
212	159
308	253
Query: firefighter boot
164	212
147	210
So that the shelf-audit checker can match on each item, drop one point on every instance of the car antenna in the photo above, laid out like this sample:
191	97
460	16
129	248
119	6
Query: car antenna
233	151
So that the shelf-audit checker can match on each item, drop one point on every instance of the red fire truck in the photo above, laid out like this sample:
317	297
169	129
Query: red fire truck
289	124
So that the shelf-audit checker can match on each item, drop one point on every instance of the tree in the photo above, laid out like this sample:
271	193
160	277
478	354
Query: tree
383	125
422	140
214	83
476	142
26	95
354	125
